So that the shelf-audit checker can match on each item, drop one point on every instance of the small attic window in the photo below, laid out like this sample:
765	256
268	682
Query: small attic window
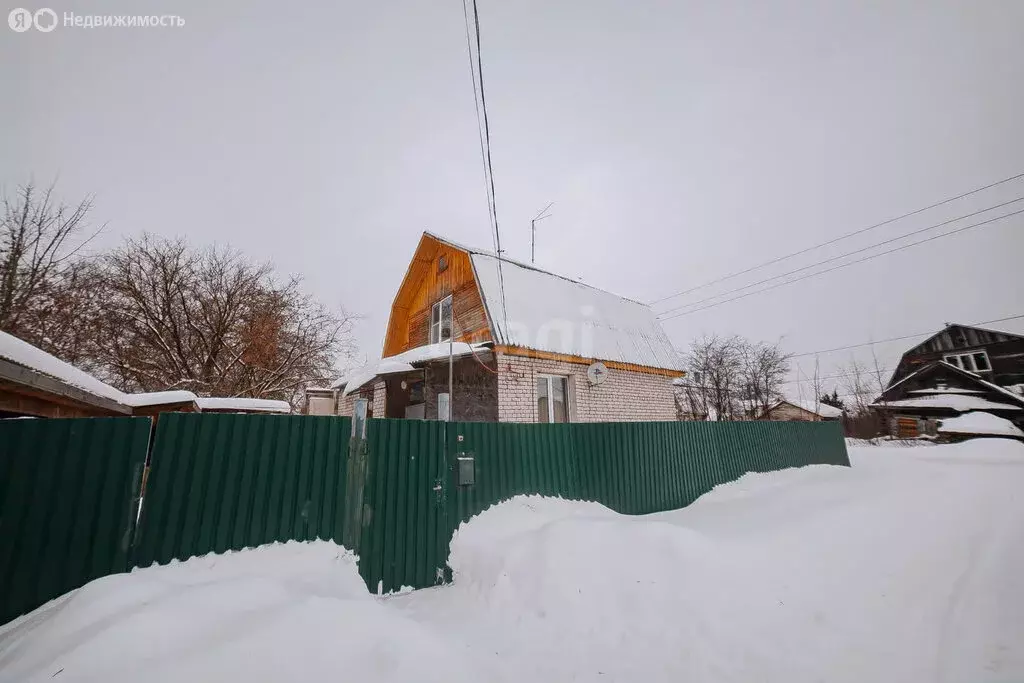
442	263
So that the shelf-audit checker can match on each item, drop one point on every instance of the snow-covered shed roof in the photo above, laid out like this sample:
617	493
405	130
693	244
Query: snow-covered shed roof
821	409
242	405
28	356
980	423
944	390
549	312
958	402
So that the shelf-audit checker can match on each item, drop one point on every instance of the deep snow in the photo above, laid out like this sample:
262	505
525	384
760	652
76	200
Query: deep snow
906	567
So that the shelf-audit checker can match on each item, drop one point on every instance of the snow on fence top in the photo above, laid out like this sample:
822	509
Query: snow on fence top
550	312
979	423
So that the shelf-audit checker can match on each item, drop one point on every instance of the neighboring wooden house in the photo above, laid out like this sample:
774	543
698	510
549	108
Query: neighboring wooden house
540	348
793	410
34	383
956	371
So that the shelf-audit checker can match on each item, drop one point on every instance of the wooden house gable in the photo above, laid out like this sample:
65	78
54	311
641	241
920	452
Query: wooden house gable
436	271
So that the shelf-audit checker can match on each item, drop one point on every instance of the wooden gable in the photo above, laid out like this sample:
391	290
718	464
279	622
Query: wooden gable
437	270
1005	352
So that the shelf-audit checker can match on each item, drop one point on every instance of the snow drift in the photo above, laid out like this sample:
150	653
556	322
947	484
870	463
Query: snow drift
280	613
905	567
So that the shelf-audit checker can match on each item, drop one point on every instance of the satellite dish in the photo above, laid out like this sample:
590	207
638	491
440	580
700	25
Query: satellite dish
597	372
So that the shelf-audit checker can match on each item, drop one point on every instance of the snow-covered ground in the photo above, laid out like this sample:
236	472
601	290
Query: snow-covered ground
909	566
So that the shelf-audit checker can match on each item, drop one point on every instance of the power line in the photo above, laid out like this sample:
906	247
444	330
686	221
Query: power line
479	124
841	256
901	338
838	239
490	165
844	265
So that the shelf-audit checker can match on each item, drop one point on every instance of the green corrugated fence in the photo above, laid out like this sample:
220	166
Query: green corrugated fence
631	467
225	482
68	500
230	481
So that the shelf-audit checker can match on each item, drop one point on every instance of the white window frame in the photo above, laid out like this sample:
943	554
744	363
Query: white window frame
551	404
437	324
965	360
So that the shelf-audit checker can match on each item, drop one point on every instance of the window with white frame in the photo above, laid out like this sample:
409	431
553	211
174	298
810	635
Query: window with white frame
552	398
975	361
441	320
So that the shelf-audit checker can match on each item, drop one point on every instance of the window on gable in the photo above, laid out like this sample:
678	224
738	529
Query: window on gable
442	263
441	320
972	362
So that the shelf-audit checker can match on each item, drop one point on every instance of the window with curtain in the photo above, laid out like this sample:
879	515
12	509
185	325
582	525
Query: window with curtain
552	398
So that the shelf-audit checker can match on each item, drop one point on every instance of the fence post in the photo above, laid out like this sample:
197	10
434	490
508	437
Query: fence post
356	481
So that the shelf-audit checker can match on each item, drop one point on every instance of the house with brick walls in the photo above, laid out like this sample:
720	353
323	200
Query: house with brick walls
479	339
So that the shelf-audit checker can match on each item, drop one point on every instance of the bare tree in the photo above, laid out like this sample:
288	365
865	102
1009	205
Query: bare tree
718	363
39	238
864	384
763	369
212	322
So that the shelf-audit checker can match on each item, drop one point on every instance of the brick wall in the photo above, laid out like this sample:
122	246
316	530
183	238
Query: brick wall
379	402
625	396
346	404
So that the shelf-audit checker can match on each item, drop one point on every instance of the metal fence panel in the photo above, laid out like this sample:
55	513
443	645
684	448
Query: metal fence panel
68	495
405	529
231	481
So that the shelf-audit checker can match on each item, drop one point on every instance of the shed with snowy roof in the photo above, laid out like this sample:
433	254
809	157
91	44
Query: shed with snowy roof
796	410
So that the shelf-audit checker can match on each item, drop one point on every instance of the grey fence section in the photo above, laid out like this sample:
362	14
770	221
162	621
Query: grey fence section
68	500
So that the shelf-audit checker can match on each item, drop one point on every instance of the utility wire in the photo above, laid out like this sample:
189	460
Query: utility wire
841	256
838	239
490	165
844	265
901	338
479	124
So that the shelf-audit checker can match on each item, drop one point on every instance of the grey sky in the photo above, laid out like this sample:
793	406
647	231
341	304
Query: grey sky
679	141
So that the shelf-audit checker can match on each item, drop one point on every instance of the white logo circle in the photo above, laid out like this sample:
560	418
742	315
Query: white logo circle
19	20
45	19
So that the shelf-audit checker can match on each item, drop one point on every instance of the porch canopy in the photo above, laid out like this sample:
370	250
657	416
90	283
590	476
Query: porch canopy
407	361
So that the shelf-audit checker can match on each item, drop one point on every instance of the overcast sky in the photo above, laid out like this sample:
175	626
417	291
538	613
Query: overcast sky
680	141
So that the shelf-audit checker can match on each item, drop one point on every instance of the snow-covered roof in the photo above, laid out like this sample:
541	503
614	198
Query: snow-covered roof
24	354
965	373
157	398
243	405
821	409
945	390
980	423
549	312
403	362
957	402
